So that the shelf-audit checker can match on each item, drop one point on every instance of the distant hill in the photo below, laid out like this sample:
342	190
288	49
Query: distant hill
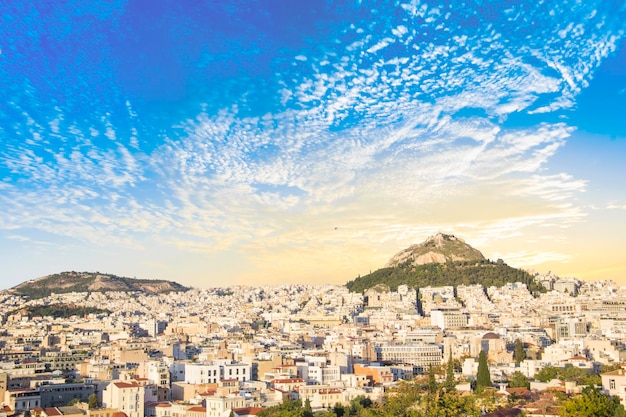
66	282
442	260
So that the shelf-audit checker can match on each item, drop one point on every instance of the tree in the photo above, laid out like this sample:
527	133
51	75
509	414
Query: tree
546	374
432	382
483	378
450	383
288	408
518	380
339	410
593	403
358	404
308	411
452	405
92	401
73	401
519	354
568	373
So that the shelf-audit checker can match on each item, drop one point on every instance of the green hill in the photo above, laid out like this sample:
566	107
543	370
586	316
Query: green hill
442	260
66	282
486	273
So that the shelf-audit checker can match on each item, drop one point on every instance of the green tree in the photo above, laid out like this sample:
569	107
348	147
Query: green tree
339	410
358	404
518	380
579	375
519	354
569	373
483	378
546	374
92	401
289	408
450	383
432	382
308	411
452	405
73	401
593	403
610	367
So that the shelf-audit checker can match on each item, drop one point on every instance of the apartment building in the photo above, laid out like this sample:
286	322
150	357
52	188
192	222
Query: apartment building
128	397
423	355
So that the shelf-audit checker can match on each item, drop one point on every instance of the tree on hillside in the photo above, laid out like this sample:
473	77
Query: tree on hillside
546	374
569	373
92	401
519	354
308	411
593	403
432	382
518	380
483	379
288	408
450	383
452	405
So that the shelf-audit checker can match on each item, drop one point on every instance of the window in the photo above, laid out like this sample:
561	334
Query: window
611	384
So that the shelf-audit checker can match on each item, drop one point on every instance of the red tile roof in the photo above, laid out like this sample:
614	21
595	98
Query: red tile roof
247	411
126	385
197	409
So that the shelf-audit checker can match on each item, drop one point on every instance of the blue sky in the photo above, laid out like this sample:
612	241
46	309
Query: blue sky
220	143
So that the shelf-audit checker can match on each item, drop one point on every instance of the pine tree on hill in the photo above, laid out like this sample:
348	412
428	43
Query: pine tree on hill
450	383
519	354
432	382
308	411
483	378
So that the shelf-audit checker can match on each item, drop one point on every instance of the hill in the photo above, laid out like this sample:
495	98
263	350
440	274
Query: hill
442	260
441	248
66	282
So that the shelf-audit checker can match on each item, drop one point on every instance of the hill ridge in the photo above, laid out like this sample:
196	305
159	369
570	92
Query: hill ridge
72	281
442	260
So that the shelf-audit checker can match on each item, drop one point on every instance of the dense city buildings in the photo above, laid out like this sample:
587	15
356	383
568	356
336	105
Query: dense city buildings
207	353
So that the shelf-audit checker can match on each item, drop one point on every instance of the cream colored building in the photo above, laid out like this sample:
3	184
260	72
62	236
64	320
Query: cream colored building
128	397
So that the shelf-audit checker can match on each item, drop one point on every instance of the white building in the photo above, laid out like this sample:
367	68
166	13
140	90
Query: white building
421	355
235	370
196	373
157	373
614	383
221	406
317	374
